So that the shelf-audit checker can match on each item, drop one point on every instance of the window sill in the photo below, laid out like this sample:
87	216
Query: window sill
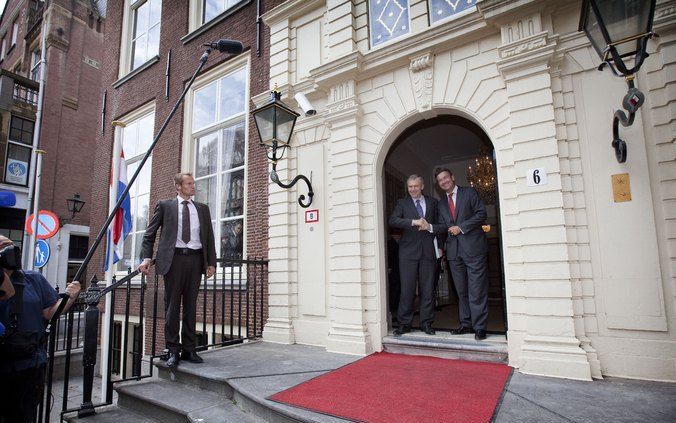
136	71
212	23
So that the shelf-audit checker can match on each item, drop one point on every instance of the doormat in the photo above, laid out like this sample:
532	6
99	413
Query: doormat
385	387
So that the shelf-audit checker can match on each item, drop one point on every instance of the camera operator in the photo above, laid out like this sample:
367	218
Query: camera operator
22	373
6	288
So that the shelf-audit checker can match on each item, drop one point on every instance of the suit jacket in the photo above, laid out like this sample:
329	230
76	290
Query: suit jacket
166	216
414	244
470	216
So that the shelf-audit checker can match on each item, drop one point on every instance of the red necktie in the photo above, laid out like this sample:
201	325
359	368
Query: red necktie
451	205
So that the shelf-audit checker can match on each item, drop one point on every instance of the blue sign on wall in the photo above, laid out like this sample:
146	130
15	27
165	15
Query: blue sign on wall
42	253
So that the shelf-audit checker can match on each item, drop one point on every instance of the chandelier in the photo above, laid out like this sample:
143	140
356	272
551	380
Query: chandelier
481	176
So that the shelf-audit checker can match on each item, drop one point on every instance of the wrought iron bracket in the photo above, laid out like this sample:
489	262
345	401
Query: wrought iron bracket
632	101
301	198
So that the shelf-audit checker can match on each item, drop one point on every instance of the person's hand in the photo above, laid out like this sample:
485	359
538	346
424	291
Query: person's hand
211	270
454	230
144	267
73	290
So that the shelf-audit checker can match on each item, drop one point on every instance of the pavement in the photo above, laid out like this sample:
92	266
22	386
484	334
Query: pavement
257	370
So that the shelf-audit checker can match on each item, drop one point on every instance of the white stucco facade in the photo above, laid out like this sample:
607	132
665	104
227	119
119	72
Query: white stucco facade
590	283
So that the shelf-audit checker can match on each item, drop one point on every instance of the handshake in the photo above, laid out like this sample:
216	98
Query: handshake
421	224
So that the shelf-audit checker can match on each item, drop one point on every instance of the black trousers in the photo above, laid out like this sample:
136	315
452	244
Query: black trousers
181	285
422	272
20	394
470	275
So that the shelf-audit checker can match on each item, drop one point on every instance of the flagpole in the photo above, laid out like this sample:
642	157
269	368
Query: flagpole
112	200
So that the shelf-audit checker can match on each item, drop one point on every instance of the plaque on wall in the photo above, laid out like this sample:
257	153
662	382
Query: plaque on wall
621	187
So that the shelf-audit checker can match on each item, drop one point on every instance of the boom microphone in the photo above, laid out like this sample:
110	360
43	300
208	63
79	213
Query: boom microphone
227	46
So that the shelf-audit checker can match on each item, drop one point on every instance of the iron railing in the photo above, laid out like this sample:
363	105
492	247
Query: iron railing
231	308
25	94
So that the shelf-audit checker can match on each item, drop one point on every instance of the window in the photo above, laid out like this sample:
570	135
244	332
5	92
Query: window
15	32
213	8
77	251
19	148
219	143
136	138
4	48
116	348
442	9
388	19
35	65
145	31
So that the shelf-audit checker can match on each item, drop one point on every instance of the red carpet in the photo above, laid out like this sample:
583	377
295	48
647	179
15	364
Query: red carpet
388	388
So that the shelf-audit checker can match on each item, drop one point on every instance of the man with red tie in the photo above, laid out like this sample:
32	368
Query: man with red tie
460	215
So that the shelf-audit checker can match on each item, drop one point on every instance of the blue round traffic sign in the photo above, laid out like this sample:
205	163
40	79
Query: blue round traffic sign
42	253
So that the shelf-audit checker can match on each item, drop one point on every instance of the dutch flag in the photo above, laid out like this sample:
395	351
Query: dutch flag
122	223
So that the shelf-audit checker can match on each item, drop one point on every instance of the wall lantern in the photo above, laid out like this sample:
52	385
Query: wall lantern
75	205
618	30
275	121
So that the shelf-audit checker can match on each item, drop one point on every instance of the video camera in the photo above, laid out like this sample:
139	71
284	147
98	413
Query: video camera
10	258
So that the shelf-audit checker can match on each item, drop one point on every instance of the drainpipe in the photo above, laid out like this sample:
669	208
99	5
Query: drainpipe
33	194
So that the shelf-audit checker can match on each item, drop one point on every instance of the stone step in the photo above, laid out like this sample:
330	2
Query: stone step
169	401
444	345
111	414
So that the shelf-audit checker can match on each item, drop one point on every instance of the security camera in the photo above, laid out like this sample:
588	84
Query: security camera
305	104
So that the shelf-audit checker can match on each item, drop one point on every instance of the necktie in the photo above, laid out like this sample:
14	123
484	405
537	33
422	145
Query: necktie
185	219
421	213
451	206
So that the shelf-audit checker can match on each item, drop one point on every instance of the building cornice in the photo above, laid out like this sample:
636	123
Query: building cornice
290	9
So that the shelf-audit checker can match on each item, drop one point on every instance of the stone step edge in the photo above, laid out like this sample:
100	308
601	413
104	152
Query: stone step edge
129	389
447	344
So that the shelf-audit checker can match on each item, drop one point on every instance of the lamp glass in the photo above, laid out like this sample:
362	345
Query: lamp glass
623	19
75	204
285	123
264	120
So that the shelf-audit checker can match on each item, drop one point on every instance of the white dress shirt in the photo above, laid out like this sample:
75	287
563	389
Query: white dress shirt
195	243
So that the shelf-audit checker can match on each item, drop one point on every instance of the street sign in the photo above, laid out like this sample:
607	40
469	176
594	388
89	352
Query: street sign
48	224
7	199
42	253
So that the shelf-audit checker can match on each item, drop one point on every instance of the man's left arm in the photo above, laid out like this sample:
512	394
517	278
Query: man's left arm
479	214
210	244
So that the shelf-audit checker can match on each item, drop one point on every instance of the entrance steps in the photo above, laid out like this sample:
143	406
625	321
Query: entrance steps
444	345
232	385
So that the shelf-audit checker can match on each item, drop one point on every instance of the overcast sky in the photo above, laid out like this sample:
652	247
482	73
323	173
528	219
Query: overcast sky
2	5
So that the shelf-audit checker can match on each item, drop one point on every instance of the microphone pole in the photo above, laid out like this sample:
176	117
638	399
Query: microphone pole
104	228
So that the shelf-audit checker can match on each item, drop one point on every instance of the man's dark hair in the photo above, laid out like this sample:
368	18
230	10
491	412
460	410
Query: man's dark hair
439	170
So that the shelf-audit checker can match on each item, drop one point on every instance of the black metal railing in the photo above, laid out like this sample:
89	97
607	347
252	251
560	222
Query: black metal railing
231	308
25	94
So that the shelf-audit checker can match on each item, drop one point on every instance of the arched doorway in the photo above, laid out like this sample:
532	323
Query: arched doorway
461	145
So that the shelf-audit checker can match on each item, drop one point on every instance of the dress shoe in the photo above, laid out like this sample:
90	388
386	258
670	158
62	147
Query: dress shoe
402	330
173	360
461	330
427	328
191	356
480	335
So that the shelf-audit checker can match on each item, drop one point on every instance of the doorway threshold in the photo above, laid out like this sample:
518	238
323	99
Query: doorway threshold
444	345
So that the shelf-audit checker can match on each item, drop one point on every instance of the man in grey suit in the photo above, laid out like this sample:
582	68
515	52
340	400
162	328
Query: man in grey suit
417	255
461	215
186	251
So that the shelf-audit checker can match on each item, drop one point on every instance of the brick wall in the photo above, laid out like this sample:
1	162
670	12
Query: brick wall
149	85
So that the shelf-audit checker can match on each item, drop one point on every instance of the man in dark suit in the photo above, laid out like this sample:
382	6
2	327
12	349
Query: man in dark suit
416	255
186	251
461	215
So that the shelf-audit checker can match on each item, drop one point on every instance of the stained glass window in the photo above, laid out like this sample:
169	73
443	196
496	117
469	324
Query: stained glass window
388	19
442	9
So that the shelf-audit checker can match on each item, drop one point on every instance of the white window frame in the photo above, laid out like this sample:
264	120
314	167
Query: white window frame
4	48
36	61
393	40
189	145
129	119
15	32
20	144
196	13
126	59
